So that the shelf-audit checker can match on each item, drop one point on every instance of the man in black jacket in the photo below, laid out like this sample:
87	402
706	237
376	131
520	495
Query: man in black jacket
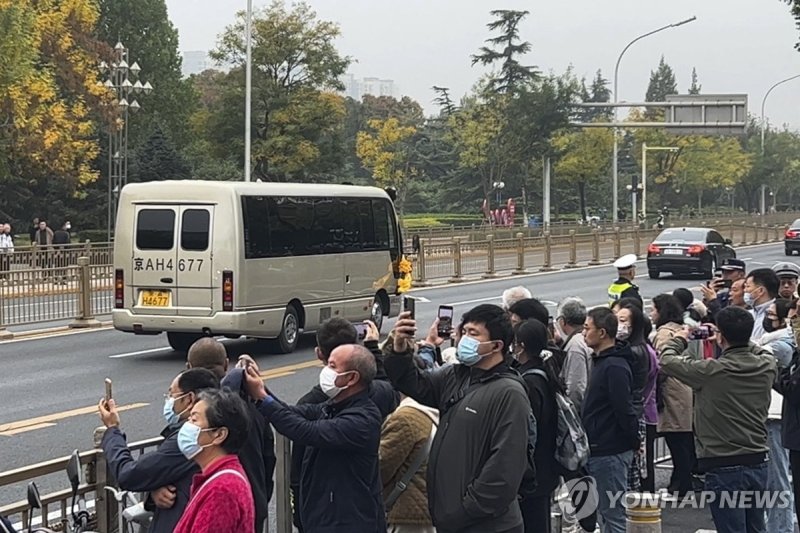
257	454
478	456
340	486
331	334
165	473
609	416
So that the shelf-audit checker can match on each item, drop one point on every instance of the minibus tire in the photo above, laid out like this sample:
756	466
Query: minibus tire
181	342
379	303
283	343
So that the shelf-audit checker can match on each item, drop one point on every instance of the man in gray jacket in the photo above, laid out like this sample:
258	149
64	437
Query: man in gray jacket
575	373
478	456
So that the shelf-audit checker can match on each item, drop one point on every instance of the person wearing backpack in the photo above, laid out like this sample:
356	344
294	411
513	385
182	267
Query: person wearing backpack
530	343
609	415
481	449
406	438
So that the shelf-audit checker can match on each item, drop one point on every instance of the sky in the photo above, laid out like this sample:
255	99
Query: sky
737	46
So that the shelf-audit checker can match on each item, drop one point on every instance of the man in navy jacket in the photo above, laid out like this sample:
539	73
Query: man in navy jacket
609	417
340	487
166	471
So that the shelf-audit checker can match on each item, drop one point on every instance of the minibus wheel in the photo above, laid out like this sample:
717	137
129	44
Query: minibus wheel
181	342
287	339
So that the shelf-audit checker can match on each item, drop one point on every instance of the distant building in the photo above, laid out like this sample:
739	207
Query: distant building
195	62
356	89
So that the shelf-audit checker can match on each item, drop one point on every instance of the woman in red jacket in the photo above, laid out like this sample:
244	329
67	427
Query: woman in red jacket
221	498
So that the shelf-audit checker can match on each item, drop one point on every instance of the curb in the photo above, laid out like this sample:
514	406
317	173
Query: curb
44	332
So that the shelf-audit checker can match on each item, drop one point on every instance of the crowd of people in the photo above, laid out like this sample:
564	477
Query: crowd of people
411	435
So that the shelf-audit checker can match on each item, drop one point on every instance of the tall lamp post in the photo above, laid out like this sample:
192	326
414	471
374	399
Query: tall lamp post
120	72
614	171
645	149
248	89
764	103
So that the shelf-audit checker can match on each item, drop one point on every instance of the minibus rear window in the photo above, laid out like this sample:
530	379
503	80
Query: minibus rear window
155	229
194	230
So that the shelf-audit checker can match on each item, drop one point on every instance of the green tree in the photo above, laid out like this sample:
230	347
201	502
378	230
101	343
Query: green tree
144	27
443	100
506	49
662	83
795	8
695	87
584	158
158	160
297	122
387	150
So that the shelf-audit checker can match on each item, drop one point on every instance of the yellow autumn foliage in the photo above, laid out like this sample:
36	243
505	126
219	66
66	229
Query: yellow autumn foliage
46	104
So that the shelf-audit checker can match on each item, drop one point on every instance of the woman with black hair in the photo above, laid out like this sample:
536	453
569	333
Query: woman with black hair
539	370
632	329
675	402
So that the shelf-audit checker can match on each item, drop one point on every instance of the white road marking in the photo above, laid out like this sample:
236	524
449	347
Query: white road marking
422	299
140	352
479	300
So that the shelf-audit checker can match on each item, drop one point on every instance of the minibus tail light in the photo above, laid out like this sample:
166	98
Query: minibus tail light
119	288
227	290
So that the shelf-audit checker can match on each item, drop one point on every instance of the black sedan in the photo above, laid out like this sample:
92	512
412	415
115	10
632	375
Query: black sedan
791	241
688	251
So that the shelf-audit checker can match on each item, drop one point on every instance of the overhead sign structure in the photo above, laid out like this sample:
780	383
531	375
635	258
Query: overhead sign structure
685	114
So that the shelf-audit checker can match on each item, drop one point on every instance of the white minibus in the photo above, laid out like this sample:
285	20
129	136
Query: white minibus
265	260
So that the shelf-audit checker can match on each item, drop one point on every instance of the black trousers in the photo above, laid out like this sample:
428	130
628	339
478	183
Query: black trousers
794	465
536	513
681	448
649	482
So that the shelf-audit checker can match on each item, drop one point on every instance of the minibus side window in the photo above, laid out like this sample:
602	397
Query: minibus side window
155	229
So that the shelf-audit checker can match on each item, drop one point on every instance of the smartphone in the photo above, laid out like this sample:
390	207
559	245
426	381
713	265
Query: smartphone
727	283
408	305
699	333
108	390
445	321
361	330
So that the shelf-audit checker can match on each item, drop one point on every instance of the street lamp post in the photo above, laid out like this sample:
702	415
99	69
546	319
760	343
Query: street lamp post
614	171
764	103
248	90
120	72
645	148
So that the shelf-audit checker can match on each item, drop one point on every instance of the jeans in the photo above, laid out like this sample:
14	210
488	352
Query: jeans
734	516
779	519
794	462
610	474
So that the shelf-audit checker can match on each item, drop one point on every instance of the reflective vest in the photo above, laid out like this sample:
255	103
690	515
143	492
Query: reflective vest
616	289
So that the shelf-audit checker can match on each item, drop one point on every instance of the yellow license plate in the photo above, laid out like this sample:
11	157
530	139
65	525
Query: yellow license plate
155	298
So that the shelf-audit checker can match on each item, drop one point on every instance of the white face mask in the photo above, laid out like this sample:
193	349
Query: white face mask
623	332
327	382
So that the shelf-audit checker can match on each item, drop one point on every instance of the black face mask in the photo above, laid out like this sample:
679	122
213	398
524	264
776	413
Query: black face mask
769	325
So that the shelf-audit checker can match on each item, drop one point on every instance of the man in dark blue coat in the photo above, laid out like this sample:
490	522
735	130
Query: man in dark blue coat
340	487
165	471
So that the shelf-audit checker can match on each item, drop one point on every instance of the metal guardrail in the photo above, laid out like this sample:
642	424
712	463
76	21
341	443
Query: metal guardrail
98	476
493	256
38	286
479	231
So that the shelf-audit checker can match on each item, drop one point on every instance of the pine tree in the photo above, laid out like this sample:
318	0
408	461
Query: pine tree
506	49
695	87
662	83
599	92
158	160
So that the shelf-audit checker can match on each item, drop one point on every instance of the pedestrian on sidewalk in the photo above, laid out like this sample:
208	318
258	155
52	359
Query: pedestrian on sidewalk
609	416
578	356
6	249
674	398
733	395
222	500
477	461
406	438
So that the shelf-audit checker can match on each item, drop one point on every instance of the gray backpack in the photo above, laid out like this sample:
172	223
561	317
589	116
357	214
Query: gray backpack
572	444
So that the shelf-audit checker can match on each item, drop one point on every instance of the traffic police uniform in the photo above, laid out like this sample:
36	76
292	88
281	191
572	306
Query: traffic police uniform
622	287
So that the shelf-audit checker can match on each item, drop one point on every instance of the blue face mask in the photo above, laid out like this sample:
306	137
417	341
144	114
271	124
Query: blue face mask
749	301
467	351
188	440
170	415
